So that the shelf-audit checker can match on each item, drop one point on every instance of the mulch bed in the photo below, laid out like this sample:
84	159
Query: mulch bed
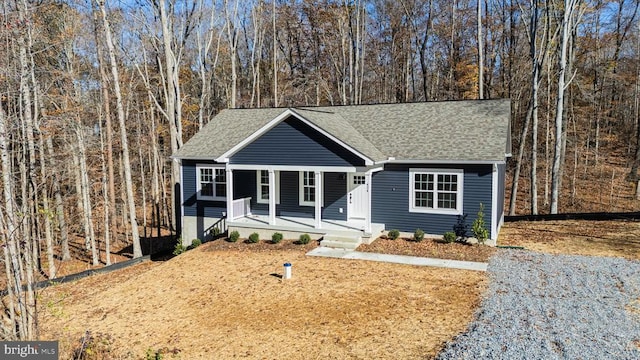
430	248
400	246
261	246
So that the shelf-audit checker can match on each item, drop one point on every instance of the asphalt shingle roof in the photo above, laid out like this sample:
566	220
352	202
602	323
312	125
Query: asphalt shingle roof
467	130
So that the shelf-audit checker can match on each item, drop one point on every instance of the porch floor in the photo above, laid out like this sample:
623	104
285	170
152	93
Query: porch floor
327	226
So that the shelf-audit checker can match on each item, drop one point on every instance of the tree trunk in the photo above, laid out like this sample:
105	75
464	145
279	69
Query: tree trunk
137	251
516	174
480	52
569	6
57	194
110	206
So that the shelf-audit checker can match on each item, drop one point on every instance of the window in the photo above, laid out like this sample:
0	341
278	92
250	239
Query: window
436	191
307	188
262	191
212	183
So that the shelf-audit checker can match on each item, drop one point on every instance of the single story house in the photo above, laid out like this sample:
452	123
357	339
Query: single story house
339	172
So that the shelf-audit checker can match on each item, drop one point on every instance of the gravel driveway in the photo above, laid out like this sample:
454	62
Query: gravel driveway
542	306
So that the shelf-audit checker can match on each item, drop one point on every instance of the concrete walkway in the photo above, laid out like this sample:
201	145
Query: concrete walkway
397	259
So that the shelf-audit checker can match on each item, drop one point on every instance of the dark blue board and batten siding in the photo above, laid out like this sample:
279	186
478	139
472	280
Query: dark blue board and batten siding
293	142
390	199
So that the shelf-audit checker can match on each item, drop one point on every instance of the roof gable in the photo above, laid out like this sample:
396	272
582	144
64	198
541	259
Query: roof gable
293	142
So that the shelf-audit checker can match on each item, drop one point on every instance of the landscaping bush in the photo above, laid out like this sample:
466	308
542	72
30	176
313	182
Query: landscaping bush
276	237
449	237
254	238
179	248
479	228
234	236
194	244
216	231
461	228
418	235
393	234
304	239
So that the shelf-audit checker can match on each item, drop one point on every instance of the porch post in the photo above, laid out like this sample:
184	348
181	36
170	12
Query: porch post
229	194
272	197
318	196
367	221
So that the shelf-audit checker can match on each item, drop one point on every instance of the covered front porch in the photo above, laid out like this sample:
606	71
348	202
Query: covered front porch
288	199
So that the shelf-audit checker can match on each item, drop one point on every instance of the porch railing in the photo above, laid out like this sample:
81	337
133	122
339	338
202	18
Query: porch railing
217	230
241	207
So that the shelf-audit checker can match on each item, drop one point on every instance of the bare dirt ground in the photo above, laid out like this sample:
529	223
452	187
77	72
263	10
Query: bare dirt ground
223	301
579	237
227	300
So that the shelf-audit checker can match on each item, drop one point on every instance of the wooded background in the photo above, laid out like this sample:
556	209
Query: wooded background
95	96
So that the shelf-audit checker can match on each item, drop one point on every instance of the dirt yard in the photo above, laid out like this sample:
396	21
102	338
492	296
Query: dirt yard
223	301
227	300
579	237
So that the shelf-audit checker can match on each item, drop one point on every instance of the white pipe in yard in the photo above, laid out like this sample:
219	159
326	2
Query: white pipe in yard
287	271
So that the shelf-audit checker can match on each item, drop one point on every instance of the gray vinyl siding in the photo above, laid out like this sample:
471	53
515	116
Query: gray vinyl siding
292	142
390	199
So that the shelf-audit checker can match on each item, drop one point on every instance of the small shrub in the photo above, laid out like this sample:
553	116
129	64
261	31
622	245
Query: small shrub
479	228
418	235
461	228
90	346
195	243
215	231
449	237
154	354
393	234
276	237
234	236
304	239
254	238
179	248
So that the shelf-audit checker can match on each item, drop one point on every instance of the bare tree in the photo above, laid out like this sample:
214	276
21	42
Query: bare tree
571	16
137	250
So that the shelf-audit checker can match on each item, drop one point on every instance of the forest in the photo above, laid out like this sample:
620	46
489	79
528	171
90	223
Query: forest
96	95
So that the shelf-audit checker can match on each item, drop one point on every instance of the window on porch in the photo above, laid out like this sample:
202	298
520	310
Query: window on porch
307	188
262	177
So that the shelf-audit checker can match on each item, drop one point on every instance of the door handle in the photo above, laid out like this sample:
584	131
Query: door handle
350	196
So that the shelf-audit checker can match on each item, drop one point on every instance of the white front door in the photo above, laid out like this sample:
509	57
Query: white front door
357	198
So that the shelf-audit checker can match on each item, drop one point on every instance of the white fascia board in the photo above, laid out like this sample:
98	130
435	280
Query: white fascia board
494	203
271	124
443	162
194	158
292	168
181	199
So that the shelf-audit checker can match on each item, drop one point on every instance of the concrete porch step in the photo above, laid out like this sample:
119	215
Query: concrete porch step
341	241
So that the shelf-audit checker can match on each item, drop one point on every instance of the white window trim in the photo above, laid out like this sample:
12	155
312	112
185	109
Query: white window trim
301	188
435	210
199	185
259	198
